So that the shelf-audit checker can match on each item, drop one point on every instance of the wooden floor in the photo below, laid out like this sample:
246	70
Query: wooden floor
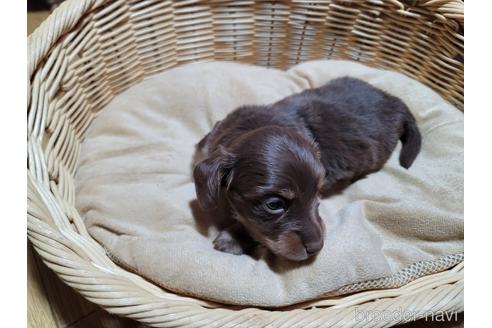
51	303
34	18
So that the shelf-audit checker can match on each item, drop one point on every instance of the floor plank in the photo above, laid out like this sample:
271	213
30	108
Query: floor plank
67	305
102	319
34	18
39	313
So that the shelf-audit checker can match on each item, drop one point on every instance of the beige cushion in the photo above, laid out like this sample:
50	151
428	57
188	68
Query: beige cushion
134	189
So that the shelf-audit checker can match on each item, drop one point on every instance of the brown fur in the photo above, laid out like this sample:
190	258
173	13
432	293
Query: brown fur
289	154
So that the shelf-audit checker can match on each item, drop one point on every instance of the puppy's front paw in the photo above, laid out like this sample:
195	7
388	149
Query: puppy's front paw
226	243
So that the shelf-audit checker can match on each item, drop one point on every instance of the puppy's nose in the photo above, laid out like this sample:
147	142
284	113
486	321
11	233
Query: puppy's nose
314	246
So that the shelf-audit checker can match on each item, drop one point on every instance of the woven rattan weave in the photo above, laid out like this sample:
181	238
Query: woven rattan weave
89	51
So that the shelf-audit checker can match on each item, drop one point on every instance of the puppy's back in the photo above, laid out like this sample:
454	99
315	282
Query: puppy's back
365	99
350	116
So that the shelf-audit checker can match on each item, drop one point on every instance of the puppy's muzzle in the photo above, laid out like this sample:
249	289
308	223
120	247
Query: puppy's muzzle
312	236
293	246
313	247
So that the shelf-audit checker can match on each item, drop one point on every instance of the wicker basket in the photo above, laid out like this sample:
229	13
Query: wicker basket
88	51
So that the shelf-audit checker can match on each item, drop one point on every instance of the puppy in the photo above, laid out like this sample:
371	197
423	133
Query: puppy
266	167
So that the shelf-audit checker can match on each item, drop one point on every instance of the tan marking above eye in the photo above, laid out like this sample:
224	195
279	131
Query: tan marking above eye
287	194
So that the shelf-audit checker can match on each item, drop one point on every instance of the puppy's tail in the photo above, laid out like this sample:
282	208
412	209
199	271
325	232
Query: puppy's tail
411	140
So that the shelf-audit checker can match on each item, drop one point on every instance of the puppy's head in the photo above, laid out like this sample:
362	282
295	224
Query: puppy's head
271	178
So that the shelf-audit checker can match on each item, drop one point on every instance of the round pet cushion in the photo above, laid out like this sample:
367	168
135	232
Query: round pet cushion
135	191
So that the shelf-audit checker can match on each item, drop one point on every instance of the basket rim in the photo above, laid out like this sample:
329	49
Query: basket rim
123	293
67	15
145	302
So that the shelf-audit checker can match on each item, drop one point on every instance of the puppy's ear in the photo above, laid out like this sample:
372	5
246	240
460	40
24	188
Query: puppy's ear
210	175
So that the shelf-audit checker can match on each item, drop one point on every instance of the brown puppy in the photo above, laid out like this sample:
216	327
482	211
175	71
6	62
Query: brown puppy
266	167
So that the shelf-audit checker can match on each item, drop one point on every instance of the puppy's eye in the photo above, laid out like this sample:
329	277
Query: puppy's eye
275	205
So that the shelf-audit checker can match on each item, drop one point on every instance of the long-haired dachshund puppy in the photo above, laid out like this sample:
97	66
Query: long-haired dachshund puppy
268	166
